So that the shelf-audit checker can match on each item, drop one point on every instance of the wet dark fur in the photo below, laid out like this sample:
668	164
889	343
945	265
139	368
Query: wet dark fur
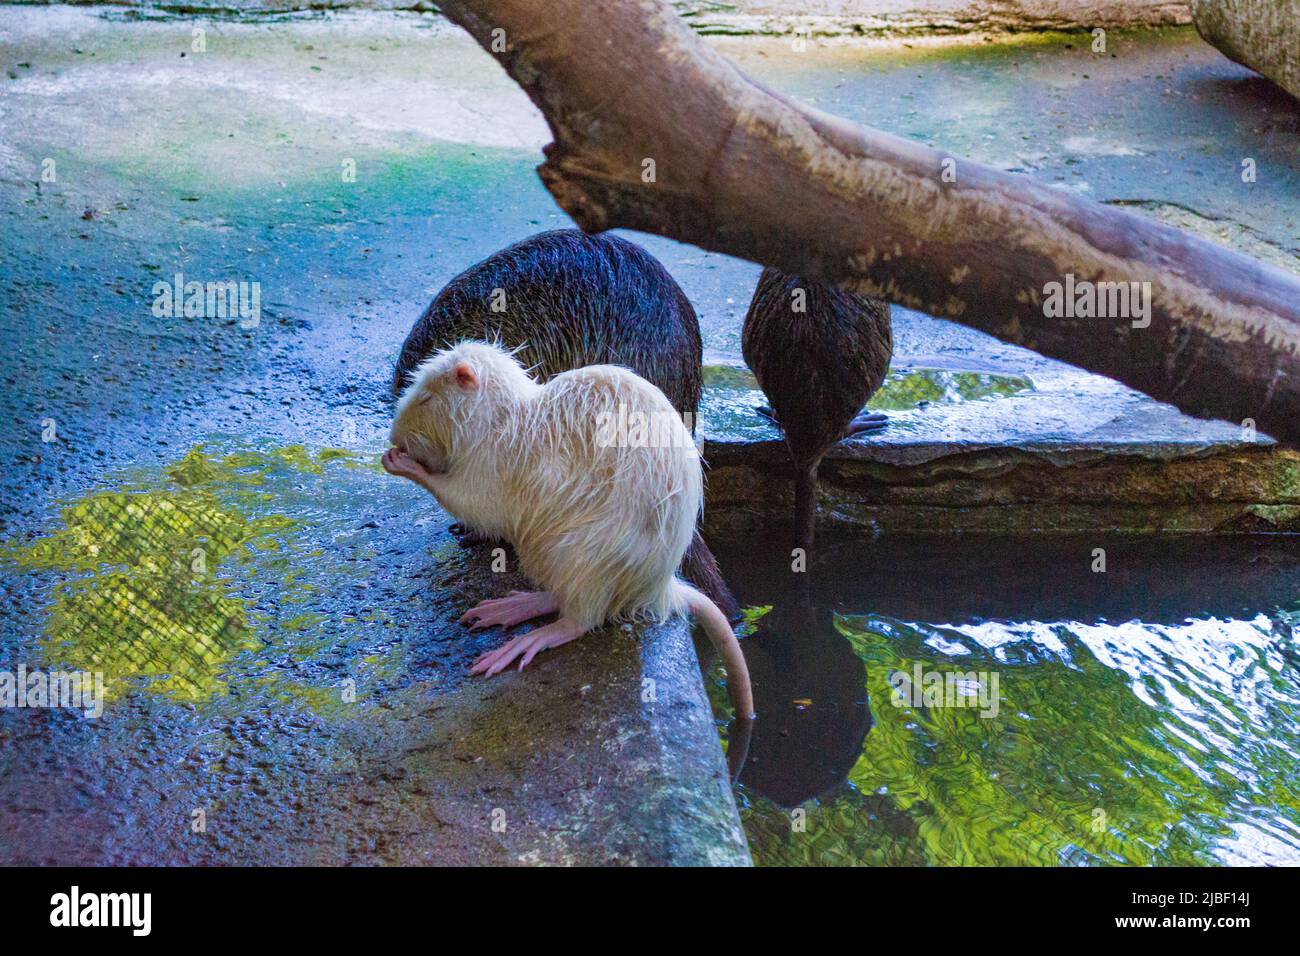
572	300
817	368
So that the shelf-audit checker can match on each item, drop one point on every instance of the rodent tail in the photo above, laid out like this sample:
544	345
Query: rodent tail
700	567
805	506
723	638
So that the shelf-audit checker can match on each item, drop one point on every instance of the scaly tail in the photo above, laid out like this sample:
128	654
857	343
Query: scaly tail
724	641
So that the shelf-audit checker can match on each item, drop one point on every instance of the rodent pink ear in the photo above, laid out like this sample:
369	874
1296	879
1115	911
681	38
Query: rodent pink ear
466	377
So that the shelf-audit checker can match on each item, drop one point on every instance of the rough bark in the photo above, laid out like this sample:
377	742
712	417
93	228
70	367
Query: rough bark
746	171
1263	35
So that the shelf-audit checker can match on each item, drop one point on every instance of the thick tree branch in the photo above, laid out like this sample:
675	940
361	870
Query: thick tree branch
742	170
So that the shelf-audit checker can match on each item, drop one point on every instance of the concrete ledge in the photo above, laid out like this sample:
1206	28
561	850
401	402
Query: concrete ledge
603	752
1039	488
606	754
1070	453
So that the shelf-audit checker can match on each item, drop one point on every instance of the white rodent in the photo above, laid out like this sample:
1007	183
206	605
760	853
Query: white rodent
592	477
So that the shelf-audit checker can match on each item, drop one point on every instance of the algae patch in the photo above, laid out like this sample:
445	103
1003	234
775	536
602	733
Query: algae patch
147	581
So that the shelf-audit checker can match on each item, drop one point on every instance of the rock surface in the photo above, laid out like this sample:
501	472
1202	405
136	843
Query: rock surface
812	17
604	754
1261	34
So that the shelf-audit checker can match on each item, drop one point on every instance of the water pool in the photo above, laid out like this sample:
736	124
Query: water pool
980	700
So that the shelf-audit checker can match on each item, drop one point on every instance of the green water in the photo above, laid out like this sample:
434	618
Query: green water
1148	714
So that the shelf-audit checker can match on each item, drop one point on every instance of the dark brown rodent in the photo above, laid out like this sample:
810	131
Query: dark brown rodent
817	368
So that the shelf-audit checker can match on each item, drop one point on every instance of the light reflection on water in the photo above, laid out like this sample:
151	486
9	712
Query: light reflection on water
1148	715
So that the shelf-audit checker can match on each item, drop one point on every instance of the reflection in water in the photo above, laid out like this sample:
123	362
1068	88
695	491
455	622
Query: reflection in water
908	388
141	591
731	394
1148	715
810	695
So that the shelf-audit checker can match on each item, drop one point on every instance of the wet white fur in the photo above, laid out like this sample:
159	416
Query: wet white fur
601	528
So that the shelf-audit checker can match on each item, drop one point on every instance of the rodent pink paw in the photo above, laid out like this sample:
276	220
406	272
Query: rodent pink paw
515	608
527	646
399	463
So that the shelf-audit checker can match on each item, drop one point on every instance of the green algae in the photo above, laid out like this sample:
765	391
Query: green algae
145	599
902	388
147	578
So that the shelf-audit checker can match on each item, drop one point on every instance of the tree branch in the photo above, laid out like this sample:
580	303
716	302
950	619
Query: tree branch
743	170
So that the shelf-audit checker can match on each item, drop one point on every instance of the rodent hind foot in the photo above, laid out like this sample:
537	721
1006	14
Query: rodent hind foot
514	608
527	646
866	422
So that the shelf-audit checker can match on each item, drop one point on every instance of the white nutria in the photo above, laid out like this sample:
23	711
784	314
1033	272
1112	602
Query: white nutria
600	522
